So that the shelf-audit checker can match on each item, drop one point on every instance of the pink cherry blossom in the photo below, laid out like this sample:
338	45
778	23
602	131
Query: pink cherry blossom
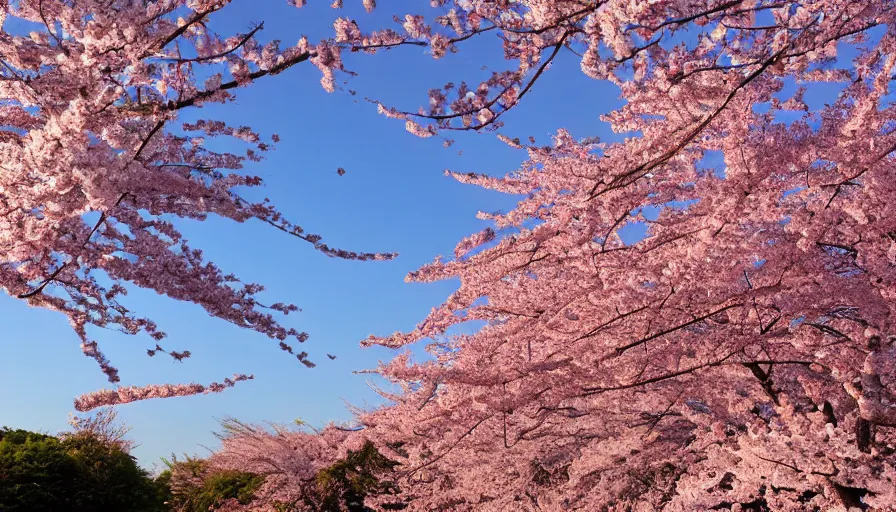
740	355
92	162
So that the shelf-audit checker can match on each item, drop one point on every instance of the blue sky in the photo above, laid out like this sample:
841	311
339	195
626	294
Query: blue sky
393	197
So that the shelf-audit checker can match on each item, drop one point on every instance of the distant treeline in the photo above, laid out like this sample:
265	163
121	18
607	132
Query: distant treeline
87	471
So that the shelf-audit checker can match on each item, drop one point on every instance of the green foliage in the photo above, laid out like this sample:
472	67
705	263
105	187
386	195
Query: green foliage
196	489
233	484
110	478
344	485
80	473
35	472
162	484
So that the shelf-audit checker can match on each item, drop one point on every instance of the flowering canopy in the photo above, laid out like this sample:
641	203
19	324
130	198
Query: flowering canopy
741	354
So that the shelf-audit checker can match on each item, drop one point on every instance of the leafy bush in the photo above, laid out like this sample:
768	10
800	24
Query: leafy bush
80	473
193	488
345	484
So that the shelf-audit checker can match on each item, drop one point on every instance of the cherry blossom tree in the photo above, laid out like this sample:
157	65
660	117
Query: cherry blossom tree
94	167
740	355
304	469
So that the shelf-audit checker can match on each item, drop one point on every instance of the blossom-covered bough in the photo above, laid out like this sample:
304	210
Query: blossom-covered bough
93	166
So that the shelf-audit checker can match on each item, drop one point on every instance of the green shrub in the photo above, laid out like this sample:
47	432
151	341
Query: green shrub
198	489
344	485
80	473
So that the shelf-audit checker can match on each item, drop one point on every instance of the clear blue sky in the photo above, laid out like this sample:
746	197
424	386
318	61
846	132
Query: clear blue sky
393	197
